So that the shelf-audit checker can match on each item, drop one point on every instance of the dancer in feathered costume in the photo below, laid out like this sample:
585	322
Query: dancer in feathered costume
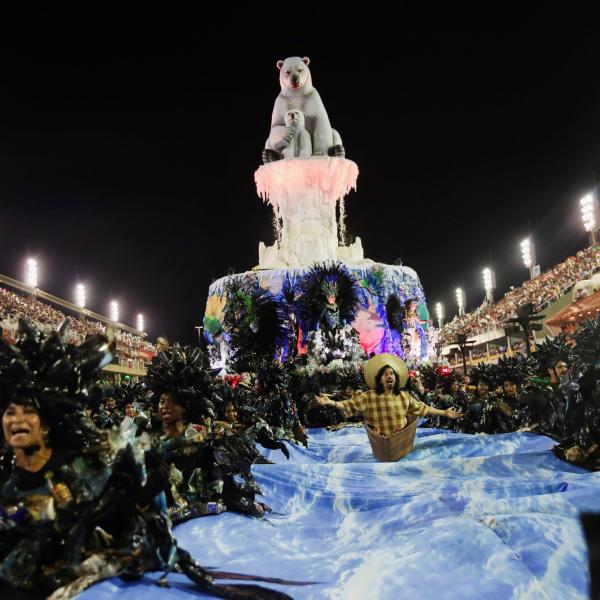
329	301
415	339
505	412
132	402
473	406
80	504
552	396
330	297
443	391
275	403
206	474
288	298
581	443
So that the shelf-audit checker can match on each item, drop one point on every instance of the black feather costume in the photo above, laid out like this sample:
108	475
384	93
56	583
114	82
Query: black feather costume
209	473
91	511
517	368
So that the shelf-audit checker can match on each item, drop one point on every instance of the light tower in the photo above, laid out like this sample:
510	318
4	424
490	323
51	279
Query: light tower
589	216
114	311
528	255
31	273
440	314
489	284
80	295
461	300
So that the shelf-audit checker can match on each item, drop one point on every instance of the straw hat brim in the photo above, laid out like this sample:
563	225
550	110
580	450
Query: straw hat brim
382	360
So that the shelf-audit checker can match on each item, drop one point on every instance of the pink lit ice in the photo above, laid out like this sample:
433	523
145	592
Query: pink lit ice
331	177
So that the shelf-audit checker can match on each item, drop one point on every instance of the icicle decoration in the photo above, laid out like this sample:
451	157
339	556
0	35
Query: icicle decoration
332	177
342	222
277	223
303	193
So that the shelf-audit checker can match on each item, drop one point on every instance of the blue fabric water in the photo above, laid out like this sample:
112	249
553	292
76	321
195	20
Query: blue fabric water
462	516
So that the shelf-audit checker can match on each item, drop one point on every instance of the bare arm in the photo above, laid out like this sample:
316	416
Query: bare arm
450	413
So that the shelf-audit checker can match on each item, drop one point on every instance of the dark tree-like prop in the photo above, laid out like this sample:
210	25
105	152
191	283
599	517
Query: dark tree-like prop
256	324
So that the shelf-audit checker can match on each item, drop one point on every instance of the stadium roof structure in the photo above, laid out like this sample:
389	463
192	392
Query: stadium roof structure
580	310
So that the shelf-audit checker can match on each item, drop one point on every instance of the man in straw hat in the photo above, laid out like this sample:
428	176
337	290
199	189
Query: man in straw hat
386	405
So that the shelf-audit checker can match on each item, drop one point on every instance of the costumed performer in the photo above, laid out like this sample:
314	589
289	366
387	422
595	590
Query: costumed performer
386	405
79	504
207	474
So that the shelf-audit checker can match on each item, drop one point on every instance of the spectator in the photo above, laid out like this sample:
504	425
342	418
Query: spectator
540	291
13	306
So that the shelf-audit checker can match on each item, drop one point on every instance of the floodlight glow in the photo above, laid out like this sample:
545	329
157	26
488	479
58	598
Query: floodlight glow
31	273
439	311
588	212
526	253
140	322
80	295
460	299
114	311
487	280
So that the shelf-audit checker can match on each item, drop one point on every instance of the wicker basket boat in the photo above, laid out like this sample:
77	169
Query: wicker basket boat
393	447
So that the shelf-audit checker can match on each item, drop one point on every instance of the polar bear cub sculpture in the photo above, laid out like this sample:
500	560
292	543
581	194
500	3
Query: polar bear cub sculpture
297	140
298	94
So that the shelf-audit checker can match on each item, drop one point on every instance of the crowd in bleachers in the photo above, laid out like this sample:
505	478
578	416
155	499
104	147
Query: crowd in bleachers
540	291
13	306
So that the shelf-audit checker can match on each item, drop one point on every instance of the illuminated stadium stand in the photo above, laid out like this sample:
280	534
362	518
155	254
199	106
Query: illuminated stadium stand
129	360
576	301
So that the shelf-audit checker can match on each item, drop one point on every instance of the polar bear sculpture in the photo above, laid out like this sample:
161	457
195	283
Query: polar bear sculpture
297	141
298	93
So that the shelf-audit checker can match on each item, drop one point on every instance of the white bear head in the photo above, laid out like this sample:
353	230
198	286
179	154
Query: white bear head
294	118
294	74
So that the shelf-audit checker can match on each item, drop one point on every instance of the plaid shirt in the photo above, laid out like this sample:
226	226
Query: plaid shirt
385	413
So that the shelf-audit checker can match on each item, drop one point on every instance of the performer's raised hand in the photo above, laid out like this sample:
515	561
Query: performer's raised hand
453	414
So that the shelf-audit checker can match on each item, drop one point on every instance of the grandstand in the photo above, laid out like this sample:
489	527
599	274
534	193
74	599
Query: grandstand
565	294
133	352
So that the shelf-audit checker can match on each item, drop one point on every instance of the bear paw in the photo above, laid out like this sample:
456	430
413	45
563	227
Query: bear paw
269	156
337	150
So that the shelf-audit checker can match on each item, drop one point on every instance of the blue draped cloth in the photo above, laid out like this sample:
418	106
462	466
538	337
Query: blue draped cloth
462	516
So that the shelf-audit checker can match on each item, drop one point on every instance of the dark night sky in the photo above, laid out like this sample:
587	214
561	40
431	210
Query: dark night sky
130	138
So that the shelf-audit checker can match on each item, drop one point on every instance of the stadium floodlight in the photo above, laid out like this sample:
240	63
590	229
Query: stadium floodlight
80	295
114	311
489	284
528	255
31	273
526	252
439	313
140	322
461	301
589	215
